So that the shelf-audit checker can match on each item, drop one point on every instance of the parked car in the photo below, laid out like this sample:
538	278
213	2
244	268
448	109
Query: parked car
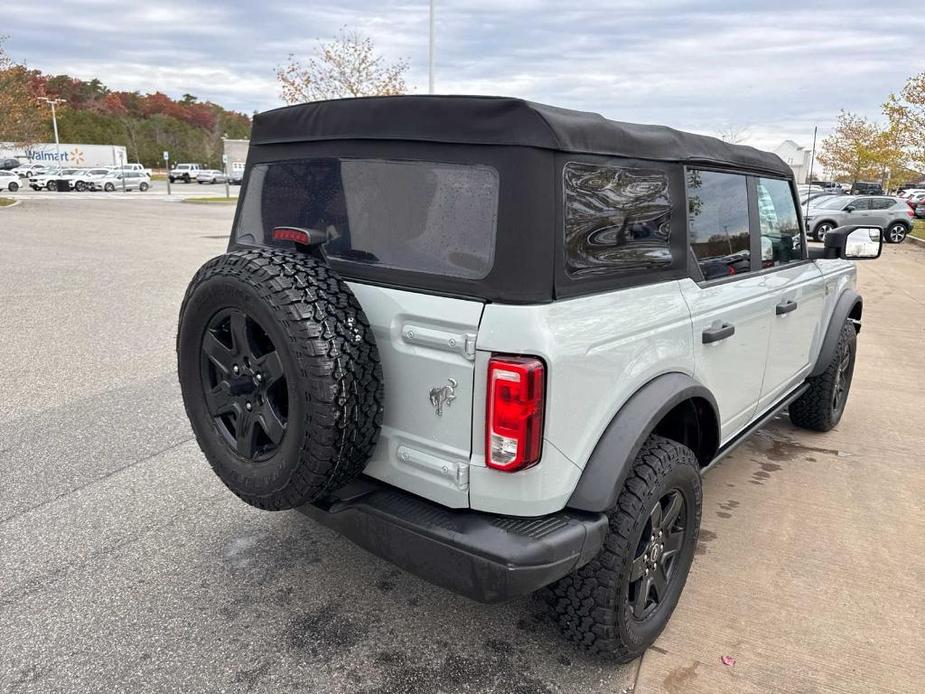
9	181
891	214
920	209
211	176
92	179
913	198
866	188
236	176
476	361
134	180
49	178
9	164
183	172
28	170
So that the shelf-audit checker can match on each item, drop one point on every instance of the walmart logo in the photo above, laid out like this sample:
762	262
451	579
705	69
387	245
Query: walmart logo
75	156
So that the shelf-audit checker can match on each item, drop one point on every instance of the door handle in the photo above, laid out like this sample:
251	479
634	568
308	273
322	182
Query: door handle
786	307
717	334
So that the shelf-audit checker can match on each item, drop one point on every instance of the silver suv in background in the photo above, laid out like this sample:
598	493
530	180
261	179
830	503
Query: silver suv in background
892	214
133	180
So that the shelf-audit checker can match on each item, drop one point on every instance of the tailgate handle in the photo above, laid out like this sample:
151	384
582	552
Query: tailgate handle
445	340
717	334
786	307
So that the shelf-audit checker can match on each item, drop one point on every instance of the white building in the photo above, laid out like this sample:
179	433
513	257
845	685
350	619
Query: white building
798	158
67	154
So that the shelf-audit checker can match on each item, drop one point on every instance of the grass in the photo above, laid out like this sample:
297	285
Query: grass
918	229
213	200
4	202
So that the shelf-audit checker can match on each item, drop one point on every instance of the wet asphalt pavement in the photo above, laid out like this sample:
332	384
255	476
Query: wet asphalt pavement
126	566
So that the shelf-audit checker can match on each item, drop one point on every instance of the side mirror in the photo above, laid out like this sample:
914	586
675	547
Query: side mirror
849	209
854	243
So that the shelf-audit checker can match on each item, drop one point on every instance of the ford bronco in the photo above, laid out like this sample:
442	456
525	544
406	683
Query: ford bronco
497	342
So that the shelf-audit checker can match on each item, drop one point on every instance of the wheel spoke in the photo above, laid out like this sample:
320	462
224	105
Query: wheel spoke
673	543
271	424
219	401
270	367
674	509
642	597
245	435
660	581
656	516
240	334
218	353
638	568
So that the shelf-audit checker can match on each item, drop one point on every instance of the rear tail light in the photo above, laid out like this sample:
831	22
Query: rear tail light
910	212
514	418
291	234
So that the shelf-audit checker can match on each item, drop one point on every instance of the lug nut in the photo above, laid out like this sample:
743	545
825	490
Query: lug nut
259	378
248	407
236	369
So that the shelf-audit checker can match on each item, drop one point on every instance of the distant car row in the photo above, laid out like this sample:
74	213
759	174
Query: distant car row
102	178
187	173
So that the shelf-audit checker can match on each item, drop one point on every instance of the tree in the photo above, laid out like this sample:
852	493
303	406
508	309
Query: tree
20	114
733	134
346	66
859	149
906	115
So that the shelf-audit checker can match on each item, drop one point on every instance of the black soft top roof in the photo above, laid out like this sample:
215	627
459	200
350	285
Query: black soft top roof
495	120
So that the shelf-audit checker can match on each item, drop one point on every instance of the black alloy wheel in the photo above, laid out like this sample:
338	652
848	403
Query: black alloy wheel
653	568
245	385
52	186
843	373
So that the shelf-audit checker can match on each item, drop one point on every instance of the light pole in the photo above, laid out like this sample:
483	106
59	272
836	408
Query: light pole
54	123
430	72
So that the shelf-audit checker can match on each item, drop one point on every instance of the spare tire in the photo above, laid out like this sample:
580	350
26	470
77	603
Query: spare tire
280	376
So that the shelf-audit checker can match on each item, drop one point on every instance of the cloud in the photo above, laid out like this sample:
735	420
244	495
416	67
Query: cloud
777	68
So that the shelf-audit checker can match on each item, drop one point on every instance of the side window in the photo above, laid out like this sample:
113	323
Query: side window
616	219
781	240
881	203
859	204
718	223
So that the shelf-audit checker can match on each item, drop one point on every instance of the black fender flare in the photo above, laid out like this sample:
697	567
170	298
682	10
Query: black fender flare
606	470
844	307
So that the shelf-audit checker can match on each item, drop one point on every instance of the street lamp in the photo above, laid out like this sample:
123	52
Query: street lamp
430	62
54	122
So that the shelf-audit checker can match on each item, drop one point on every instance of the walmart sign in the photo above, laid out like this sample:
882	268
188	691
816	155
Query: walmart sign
69	154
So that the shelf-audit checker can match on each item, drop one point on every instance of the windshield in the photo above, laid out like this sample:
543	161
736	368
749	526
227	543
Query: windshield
410	215
833	203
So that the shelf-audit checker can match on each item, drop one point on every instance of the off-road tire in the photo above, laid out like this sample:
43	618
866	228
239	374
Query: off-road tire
817	409
330	362
590	605
186	178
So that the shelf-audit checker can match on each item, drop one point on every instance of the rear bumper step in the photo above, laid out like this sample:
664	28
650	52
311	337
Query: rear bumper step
486	557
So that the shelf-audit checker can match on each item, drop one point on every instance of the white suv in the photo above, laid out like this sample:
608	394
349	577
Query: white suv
497	342
183	172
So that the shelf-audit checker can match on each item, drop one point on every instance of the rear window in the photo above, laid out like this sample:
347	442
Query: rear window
421	216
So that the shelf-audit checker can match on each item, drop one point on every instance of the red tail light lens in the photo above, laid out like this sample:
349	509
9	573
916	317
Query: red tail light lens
516	401
291	234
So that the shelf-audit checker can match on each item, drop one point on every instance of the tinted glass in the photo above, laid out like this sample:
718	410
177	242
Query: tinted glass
616	219
881	203
718	223
858	203
781	240
408	215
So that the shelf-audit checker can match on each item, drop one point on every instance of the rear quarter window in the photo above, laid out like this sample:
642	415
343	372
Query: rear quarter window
616	219
421	216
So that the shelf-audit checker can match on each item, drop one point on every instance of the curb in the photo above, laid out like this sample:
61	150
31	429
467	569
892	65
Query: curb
917	240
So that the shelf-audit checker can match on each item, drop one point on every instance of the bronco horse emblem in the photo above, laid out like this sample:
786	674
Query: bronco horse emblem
443	395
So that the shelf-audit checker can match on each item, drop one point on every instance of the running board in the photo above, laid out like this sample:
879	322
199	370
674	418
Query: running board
757	424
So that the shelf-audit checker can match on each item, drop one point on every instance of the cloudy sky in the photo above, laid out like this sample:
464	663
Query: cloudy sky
775	68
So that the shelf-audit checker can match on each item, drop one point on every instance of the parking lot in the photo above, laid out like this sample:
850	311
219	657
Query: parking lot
157	191
125	565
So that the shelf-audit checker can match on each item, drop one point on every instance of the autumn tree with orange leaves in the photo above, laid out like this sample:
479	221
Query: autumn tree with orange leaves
20	112
346	66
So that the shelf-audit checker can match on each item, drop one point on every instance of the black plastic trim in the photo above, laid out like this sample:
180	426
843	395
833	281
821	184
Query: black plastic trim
604	474
743	435
843	308
488	558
